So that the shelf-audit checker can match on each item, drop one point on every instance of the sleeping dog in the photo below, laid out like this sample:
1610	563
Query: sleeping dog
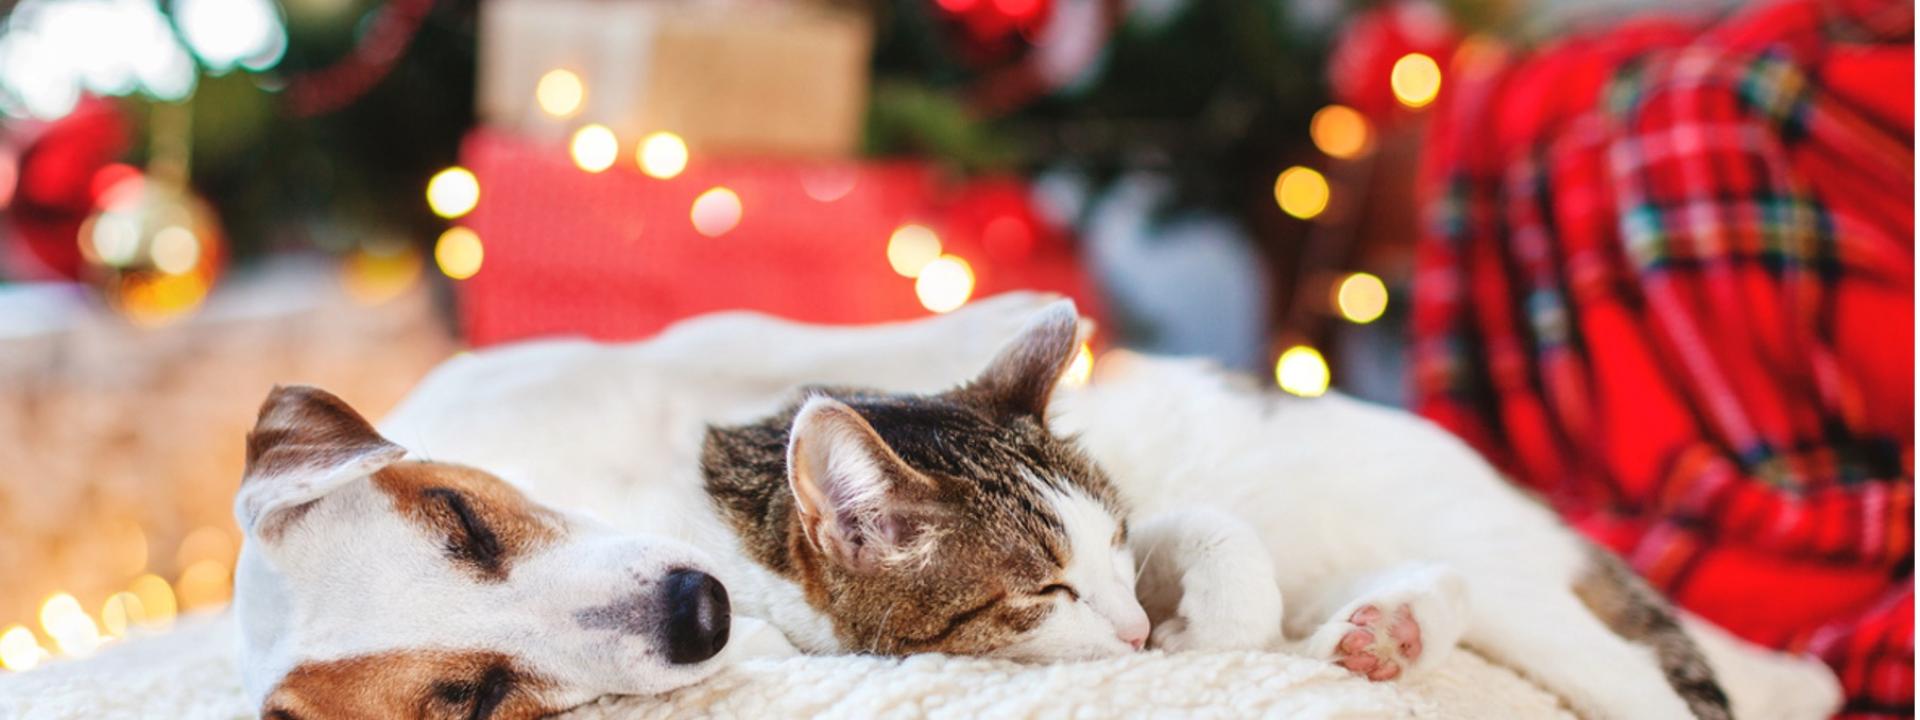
371	586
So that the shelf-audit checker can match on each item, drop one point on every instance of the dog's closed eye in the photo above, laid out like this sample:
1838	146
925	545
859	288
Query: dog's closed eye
474	542
479	697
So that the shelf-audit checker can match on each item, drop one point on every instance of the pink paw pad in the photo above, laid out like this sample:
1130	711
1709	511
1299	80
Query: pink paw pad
1380	645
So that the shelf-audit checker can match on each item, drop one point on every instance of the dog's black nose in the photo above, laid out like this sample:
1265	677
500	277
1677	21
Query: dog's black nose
698	616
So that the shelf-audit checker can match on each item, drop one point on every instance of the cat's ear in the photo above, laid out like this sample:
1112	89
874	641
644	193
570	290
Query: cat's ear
857	501
1021	377
305	444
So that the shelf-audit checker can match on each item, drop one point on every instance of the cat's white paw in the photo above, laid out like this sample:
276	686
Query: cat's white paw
1406	623
1207	583
1379	644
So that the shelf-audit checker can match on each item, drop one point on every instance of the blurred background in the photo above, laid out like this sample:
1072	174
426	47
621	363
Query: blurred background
1654	259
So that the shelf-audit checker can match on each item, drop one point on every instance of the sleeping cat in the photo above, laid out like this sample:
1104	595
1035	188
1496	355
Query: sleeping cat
976	519
961	522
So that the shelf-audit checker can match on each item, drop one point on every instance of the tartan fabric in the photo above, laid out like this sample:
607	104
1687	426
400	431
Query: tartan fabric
1666	279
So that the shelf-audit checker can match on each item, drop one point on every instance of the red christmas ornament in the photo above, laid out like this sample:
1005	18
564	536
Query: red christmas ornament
57	165
1360	69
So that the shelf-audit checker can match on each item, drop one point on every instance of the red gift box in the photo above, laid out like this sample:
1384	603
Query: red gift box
615	255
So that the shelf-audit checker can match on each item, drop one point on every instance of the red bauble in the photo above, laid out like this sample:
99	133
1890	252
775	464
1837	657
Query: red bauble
1360	68
55	188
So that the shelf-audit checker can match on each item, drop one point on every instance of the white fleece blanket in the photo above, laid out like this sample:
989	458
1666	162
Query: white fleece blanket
189	673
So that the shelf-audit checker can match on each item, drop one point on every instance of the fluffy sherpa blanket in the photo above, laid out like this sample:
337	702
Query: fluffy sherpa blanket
189	673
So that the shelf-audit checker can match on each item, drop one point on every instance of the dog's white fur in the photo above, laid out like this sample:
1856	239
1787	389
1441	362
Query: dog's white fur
1334	503
350	576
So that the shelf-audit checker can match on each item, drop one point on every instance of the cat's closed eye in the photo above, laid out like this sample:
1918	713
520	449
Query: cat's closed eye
1071	593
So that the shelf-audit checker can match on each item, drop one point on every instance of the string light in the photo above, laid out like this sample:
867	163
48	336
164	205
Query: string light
910	248
663	155
19	649
1302	192
70	627
453	192
458	253
204	584
122	611
1081	369
716	211
204	543
1340	132
1302	371
944	284
560	93
594	148
1361	298
175	251
1415	80
156	598
379	271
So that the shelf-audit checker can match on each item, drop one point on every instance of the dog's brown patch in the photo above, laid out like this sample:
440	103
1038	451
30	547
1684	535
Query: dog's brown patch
425	684
488	524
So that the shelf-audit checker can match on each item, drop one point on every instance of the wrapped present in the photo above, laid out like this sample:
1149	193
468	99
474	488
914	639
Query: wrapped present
736	76
619	254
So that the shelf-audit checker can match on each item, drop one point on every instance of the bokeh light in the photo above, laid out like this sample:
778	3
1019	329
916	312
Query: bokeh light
70	627
1302	371
1081	369
1361	298
453	192
19	649
910	248
175	250
458	253
830	183
225	33
379	271
716	212
1415	80
663	155
944	284
594	148
560	93
122	611
204	584
1302	192
1340	132
156	598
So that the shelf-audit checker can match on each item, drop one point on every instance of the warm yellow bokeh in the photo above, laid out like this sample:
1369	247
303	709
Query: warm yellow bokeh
1415	80
19	649
1361	298
1302	371
459	253
1302	192
910	248
1081	369
594	148
944	284
560	93
453	192
663	155
1341	132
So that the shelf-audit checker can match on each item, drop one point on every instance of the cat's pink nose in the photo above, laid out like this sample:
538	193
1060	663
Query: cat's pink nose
1133	634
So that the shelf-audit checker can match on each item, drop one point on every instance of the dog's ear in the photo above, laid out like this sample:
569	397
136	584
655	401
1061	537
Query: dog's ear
306	443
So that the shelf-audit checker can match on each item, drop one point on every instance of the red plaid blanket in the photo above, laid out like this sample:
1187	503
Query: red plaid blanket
1666	279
